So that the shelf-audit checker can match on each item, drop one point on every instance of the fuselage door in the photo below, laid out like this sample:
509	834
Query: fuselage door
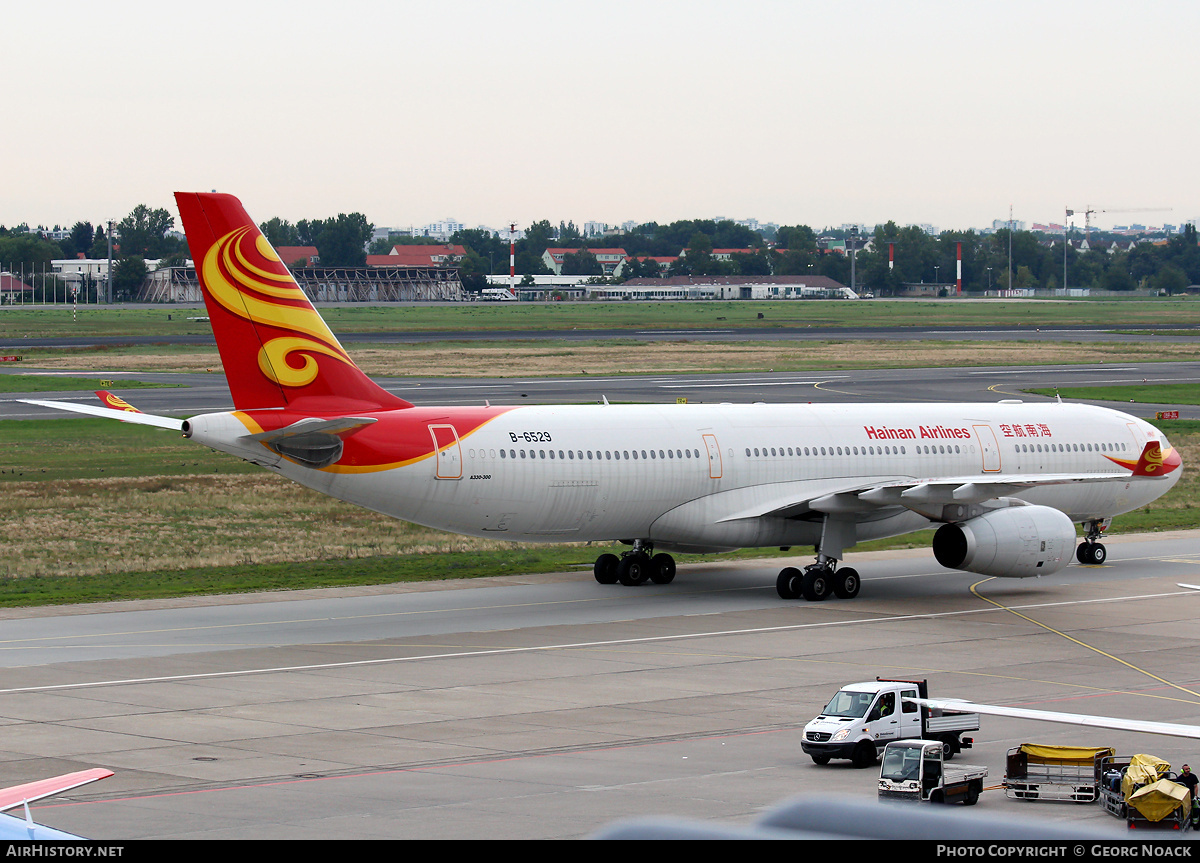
988	446
448	455
714	456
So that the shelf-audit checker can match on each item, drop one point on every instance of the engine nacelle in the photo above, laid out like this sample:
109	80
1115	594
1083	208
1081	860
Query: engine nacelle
1014	542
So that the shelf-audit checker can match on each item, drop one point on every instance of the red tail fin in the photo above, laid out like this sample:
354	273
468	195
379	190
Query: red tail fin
276	349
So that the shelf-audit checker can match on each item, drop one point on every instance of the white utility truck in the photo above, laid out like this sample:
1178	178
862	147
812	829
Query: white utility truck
863	718
916	770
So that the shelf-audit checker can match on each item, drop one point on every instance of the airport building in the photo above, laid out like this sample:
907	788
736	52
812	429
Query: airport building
379	284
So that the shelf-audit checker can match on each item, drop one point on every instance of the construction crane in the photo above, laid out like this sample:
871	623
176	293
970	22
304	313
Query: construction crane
1090	211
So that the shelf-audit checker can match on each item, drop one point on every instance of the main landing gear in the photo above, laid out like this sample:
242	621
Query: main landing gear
1091	551
817	581
635	566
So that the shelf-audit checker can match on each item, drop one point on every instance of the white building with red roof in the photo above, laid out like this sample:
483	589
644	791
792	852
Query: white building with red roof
298	256
612	261
421	255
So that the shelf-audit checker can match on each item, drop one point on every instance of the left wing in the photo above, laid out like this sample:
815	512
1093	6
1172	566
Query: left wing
124	415
929	496
920	496
1168	728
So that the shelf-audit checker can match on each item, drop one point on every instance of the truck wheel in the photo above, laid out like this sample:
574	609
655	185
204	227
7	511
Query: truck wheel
820	759
864	755
949	750
937	796
973	789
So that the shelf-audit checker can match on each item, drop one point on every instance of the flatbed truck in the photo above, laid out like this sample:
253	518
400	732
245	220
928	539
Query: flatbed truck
863	718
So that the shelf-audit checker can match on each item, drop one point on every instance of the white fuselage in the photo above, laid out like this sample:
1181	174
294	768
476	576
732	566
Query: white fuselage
722	476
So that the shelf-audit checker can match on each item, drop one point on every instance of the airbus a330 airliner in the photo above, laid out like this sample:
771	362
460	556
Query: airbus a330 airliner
1004	482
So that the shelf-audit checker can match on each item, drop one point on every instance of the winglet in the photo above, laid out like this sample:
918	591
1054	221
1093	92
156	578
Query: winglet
116	402
18	794
1154	462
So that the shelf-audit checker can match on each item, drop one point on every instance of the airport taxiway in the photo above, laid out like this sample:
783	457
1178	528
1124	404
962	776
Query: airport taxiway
548	706
203	393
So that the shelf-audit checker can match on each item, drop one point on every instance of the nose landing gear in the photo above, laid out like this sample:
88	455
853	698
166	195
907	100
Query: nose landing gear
1090	550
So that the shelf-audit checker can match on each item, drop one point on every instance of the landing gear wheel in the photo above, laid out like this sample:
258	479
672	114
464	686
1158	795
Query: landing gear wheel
632	570
817	583
787	585
605	568
846	583
1091	552
662	569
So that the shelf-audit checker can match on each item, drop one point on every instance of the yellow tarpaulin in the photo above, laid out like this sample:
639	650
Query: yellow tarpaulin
1143	770
1160	799
1038	753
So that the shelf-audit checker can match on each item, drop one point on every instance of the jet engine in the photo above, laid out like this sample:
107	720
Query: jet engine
1014	542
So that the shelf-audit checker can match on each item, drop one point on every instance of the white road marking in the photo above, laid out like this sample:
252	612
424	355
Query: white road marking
580	645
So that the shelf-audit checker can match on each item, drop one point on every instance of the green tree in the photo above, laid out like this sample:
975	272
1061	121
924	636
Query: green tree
128	274
99	248
581	263
144	233
1170	279
341	241
487	245
280	232
28	252
757	264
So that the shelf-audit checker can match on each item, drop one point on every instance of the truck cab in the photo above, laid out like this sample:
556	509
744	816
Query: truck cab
862	718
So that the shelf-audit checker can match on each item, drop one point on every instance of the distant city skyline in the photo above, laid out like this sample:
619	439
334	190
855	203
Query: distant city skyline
790	111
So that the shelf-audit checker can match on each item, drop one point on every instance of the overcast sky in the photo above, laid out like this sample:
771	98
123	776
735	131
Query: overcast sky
794	112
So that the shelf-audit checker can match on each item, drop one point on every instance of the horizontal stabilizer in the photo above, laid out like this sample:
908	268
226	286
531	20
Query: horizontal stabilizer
312	442
126	416
1168	728
342	426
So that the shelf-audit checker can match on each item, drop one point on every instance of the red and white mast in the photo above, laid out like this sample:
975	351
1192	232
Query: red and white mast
512	259
958	269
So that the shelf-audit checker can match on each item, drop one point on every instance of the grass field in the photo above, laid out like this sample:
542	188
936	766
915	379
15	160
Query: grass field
1159	394
551	357
100	510
56	383
148	514
18	322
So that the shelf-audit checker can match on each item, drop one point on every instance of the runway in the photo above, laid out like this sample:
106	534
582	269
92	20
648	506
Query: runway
548	706
551	706
1169	332
202	393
